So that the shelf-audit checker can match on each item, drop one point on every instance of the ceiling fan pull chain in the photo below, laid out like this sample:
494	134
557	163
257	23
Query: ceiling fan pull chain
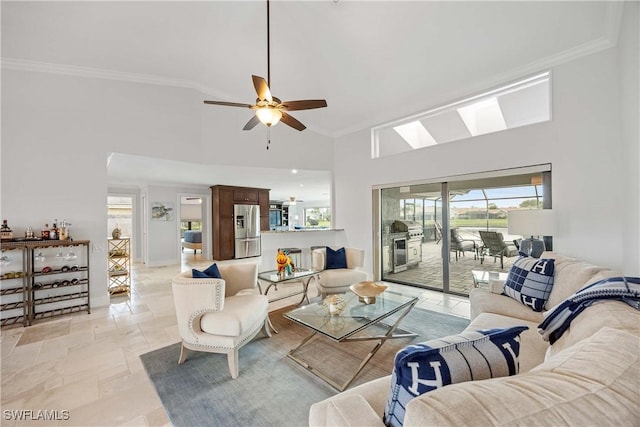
268	137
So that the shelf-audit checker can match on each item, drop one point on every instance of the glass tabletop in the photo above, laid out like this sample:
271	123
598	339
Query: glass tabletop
355	316
274	277
483	277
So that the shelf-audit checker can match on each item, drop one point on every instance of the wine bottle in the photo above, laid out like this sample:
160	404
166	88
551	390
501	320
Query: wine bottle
45	233
53	234
5	230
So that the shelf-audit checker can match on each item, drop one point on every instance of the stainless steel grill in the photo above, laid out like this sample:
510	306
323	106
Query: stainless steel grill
412	228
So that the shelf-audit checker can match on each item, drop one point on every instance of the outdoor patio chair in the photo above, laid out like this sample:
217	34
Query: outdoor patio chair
493	244
437	231
460	245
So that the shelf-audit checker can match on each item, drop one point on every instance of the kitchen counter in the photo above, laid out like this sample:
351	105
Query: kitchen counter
303	239
301	230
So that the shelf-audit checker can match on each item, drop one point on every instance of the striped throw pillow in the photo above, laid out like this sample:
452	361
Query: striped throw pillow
472	355
530	281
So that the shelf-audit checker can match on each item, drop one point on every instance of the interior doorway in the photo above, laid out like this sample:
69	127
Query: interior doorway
120	214
193	223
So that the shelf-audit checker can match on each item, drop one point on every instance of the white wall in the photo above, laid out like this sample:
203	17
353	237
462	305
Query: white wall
58	130
164	237
629	86
583	144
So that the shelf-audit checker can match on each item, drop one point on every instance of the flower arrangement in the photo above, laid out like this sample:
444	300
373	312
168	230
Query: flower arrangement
285	266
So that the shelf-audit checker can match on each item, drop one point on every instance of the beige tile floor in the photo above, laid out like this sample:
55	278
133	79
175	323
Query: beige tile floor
89	365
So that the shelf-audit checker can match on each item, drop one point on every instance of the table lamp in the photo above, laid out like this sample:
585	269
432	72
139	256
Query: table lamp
531	222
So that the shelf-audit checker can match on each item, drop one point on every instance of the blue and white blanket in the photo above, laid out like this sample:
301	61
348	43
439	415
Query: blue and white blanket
558	319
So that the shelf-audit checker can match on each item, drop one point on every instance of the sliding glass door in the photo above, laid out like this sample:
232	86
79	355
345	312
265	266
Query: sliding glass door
431	234
411	235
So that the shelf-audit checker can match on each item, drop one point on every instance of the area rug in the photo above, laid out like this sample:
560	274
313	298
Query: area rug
272	390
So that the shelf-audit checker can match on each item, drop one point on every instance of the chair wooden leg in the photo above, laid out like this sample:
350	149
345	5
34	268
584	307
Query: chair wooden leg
232	359
183	354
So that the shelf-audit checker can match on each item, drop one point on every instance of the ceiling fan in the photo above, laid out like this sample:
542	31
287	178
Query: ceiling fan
269	110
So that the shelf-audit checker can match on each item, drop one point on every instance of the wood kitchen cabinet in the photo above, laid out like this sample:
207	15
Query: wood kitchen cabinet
247	196
263	201
223	198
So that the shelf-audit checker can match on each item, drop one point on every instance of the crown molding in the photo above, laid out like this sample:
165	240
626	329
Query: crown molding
97	73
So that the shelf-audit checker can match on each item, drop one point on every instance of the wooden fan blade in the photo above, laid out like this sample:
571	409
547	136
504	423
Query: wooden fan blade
291	121
307	104
251	123
229	104
262	88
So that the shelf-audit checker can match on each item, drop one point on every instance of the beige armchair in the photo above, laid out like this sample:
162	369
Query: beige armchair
335	281
220	315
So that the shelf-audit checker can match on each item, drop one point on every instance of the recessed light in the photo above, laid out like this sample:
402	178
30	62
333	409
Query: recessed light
294	170
301	185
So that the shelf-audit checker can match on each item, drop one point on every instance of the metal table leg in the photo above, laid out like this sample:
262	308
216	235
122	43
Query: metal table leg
381	340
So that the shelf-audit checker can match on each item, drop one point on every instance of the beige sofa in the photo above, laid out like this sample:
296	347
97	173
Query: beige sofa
590	376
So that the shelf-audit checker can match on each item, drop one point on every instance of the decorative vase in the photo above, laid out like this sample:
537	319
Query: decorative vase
116	233
334	305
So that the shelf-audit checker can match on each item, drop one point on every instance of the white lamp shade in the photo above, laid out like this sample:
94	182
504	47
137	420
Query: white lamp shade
531	222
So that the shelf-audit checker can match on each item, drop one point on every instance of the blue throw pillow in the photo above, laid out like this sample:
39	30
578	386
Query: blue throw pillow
336	259
469	356
530	281
197	274
211	272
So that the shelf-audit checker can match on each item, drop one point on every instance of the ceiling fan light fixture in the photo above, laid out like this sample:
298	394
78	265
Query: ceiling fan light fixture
269	116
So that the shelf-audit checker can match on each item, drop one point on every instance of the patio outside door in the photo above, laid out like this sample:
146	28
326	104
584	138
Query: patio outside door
450	216
411	237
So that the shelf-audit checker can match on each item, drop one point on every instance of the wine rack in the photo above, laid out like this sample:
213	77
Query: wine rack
44	278
14	307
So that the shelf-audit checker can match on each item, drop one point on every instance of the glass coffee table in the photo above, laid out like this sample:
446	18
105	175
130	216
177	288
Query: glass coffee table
355	320
274	278
481	277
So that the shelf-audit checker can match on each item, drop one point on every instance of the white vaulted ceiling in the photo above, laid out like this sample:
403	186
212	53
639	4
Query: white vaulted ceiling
372	61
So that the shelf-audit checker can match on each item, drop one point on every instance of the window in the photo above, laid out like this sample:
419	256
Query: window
518	104
120	214
317	217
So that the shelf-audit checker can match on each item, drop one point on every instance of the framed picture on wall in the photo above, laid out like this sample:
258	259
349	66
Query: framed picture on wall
162	211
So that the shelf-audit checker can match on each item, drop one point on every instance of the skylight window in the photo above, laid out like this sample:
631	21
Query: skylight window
524	102
415	134
483	117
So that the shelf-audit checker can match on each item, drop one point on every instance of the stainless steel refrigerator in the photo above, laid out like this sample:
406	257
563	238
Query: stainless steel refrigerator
247	230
